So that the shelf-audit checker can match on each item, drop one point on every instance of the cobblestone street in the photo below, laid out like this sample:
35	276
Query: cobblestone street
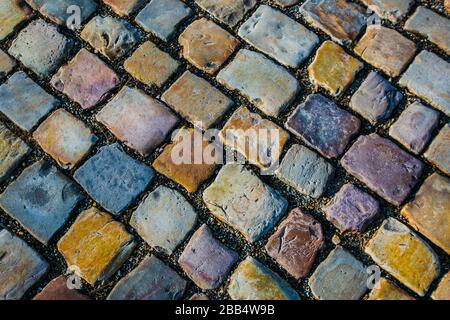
93	204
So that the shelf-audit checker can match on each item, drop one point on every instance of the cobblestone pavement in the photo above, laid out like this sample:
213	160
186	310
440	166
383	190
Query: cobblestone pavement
87	181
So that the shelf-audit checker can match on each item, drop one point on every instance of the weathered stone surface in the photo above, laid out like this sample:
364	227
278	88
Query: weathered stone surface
67	139
112	37
431	25
376	98
164	219
151	280
286	3
12	12
206	260
245	132
385	290
333	69
403	254
305	171
383	167
150	65
341	20
162	17
58	290
20	267
124	7
351	209
85	79
6	65
414	127
254	281
58	12
113	178
41	199
267	85
140	121
229	12
428	77
339	277
438	152
197	100
393	10
278	36
239	198
429	212
95	246
386	49
295	243
12	151
32	48
323	125
442	292
184	167
24	102
206	45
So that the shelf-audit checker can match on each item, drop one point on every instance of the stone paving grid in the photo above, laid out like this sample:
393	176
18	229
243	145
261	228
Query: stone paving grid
354	243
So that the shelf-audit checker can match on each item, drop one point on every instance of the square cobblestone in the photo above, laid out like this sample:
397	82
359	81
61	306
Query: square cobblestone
113	178
333	68
151	65
112	37
432	26
32	48
385	290
340	19
239	198
323	125
383	167
12	13
351	209
164	219
67	139
20	267
189	172
151	280
279	36
269	86
339	277
6	65
197	100
206	45
85	79
305	171
376	98
429	211
386	49
41	199
12	151
162	17
245	131
296	243
393	10
399	251
206	260
95	246
24	102
230	12
140	121
414	127
57	290
58	11
254	281
442	292
438	152
124	7
427	77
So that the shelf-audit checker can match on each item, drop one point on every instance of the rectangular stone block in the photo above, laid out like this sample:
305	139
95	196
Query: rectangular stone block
12	13
6	65
124	7
58	290
393	10
230	12
12	151
385	290
438	152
